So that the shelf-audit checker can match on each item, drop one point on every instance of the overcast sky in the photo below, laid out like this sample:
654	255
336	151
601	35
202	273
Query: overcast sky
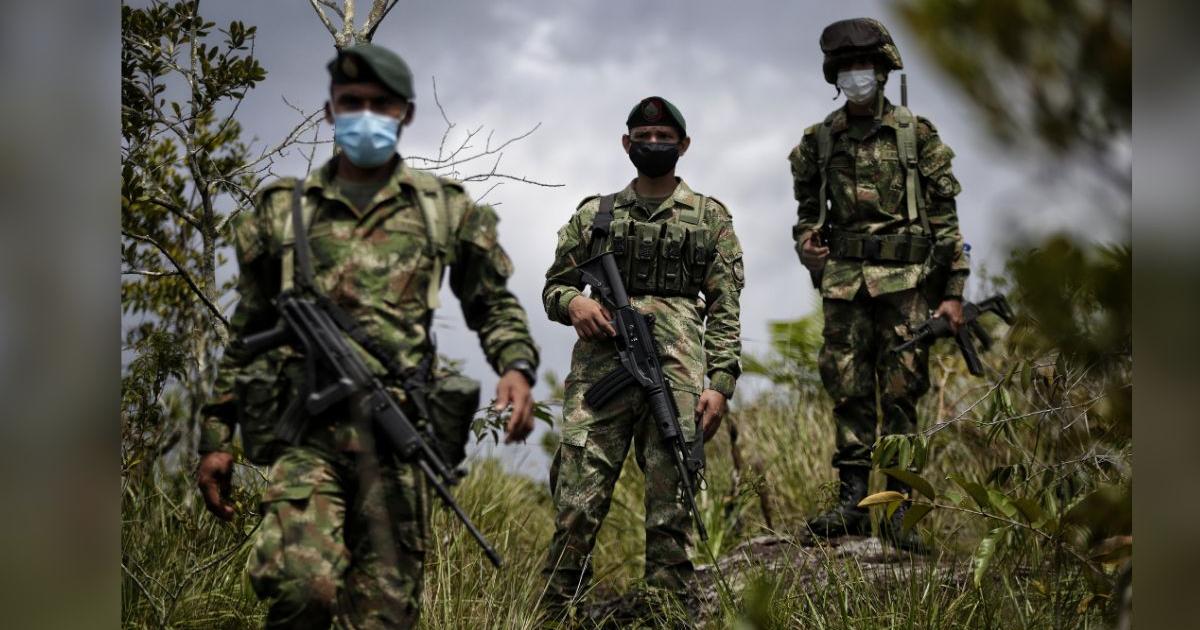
746	76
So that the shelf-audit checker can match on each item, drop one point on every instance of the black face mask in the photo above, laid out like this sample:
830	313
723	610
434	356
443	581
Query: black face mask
654	159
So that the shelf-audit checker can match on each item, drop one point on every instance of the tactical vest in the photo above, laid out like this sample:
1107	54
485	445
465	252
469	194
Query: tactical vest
893	248
667	259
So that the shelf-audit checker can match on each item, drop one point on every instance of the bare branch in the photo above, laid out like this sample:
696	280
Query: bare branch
379	9
516	178
325	20
147	272
182	272
348	24
333	7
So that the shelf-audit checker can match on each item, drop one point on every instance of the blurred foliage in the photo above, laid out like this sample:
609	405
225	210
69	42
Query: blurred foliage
1054	72
181	157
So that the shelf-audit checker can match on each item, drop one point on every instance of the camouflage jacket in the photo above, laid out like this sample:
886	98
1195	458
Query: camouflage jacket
866	189
698	336
380	267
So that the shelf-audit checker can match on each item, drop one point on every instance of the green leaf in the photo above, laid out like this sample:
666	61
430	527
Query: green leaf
1003	503
1029	509
912	479
984	553
880	498
915	513
905	456
977	492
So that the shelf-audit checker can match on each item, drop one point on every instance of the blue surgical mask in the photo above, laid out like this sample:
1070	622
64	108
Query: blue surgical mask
368	139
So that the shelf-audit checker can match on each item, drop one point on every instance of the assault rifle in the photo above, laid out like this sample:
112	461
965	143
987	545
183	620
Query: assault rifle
937	327
638	352
312	322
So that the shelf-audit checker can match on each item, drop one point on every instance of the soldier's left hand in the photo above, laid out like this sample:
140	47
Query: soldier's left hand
513	389
710	409
952	311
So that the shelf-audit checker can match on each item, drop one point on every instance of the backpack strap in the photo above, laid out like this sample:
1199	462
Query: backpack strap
906	142
824	152
430	198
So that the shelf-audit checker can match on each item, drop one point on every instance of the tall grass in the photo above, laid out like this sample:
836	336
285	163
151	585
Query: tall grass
1033	432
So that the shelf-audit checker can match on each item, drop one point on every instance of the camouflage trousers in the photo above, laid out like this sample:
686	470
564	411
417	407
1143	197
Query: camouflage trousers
582	478
860	371
343	540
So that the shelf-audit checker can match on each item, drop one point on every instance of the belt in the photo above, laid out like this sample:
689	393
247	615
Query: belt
905	248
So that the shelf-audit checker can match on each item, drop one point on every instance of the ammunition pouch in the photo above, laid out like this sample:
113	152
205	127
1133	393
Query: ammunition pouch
453	400
665	259
903	248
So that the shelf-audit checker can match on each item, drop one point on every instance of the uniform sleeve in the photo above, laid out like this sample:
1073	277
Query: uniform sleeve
563	281
940	188
722	306
806	186
479	279
257	281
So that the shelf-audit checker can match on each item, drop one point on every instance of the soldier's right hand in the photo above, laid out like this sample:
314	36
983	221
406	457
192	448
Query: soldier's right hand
214	476
590	319
813	254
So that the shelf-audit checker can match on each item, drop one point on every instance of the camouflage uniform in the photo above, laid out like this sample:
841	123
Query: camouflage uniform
870	304
344	534
698	336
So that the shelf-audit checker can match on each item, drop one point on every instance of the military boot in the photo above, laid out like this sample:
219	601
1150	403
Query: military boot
891	531
846	519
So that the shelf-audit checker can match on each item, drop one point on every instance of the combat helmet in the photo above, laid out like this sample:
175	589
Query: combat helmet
858	37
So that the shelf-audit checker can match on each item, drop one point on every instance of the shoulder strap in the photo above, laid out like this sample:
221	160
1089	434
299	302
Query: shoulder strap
604	216
602	223
436	231
824	151
906	142
298	271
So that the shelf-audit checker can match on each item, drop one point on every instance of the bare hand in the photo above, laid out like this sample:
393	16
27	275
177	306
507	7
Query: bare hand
513	390
590	319
952	311
214	476
710	409
813	253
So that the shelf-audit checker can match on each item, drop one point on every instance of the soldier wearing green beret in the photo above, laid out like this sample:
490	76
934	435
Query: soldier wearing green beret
345	525
877	230
680	260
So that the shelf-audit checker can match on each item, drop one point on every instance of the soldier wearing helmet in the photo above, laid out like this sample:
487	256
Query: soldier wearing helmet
877	230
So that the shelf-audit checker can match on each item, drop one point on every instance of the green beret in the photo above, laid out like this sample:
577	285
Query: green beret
368	63
656	110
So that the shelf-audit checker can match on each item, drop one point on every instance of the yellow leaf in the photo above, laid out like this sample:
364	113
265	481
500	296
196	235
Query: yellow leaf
879	498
